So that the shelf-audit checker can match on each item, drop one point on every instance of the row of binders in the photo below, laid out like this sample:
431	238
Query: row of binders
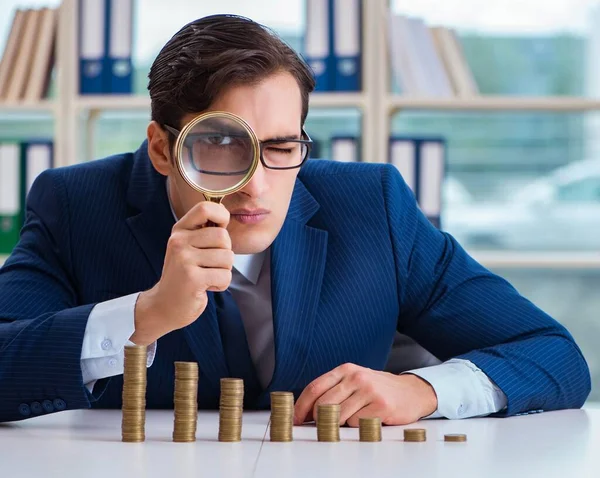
428	61
420	160
425	61
20	164
332	43
105	46
28	57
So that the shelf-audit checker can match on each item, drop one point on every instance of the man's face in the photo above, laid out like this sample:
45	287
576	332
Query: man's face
272	108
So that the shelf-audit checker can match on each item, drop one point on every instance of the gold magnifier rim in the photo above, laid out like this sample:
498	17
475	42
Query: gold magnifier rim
211	193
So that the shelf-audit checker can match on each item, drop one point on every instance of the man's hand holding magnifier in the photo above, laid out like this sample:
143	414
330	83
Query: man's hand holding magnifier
198	259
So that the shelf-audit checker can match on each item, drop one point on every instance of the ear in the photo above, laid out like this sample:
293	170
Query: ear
158	149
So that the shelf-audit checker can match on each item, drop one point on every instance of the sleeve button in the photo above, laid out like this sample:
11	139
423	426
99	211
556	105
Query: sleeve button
24	410
59	404
36	408
48	407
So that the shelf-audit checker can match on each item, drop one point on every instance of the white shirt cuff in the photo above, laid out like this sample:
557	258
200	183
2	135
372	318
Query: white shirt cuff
463	390
109	327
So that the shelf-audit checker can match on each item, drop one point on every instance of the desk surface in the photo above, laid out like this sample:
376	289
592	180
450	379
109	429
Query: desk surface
87	444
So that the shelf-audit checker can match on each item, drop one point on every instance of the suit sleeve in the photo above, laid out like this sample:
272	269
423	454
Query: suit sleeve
456	308
42	323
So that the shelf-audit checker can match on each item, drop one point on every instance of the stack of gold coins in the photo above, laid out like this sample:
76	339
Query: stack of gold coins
414	434
455	437
185	401
328	422
133	425
231	407
282	416
369	429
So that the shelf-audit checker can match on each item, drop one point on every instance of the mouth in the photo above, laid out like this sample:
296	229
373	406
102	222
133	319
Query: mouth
249	216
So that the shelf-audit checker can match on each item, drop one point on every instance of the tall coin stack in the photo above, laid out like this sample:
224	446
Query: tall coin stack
328	423
369	429
231	408
185	401
282	416
133	423
414	434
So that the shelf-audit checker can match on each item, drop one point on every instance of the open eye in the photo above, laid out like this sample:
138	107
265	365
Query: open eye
217	139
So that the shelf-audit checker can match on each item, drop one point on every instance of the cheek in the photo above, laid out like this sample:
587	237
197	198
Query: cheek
283	188
189	197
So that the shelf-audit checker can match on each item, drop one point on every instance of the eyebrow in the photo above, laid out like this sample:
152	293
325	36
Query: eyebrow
290	137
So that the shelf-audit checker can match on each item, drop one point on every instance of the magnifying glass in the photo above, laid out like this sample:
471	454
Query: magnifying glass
217	154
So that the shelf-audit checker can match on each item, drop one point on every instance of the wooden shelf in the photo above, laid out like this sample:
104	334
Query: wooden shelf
42	106
494	103
538	260
337	100
126	102
112	102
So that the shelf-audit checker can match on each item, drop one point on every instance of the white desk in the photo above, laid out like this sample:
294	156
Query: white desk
86	444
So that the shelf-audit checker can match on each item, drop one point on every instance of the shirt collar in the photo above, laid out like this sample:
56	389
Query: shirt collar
248	265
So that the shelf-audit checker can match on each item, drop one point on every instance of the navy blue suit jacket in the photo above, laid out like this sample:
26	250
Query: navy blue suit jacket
355	261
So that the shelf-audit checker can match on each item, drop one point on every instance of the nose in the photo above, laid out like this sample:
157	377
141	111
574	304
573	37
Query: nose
258	185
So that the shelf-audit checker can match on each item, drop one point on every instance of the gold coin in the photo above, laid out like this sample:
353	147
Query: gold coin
328	422
415	434
282	416
133	395
455	437
369	429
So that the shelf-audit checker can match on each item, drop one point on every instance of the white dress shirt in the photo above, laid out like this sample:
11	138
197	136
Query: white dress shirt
462	389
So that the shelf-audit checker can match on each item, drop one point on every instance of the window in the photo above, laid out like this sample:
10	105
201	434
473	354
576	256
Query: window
586	190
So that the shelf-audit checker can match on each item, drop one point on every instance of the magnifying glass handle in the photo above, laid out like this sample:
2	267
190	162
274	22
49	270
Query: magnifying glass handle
216	199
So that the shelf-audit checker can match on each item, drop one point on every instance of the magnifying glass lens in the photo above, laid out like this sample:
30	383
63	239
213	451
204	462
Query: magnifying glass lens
217	153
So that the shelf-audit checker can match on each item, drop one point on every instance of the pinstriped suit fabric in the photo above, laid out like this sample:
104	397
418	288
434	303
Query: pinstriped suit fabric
354	262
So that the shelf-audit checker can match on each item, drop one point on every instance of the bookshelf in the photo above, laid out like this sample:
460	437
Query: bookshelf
375	103
396	103
43	106
139	102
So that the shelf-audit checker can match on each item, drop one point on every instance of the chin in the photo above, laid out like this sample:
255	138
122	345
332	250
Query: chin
251	243
252	239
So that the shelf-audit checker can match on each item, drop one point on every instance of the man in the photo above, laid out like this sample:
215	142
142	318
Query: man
318	265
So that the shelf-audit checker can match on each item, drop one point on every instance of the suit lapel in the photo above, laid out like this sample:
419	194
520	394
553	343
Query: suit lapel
151	227
298	257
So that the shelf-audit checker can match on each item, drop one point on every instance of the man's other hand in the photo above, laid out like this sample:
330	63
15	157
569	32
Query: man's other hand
362	392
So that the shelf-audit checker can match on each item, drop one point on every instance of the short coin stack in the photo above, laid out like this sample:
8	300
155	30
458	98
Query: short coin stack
415	434
133	425
328	423
185	402
369	429
231	407
282	416
455	437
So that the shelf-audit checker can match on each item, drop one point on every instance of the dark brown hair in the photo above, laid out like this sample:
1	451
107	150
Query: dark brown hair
213	53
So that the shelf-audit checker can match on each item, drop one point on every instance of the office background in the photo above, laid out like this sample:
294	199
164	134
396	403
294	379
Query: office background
521	183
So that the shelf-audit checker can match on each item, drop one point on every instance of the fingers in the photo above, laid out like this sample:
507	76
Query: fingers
201	213
205	238
203	279
370	411
338	394
352	405
315	390
202	257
